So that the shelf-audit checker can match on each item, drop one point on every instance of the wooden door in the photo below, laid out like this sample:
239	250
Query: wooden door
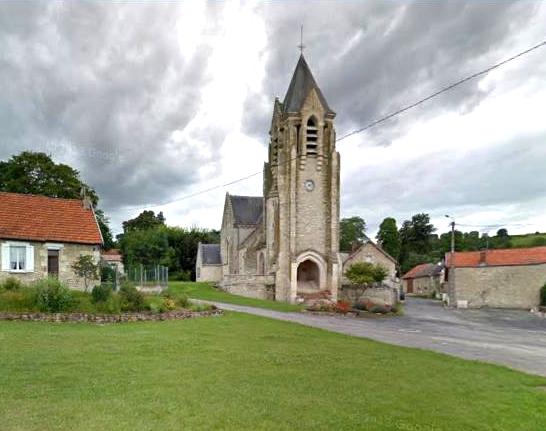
410	285
53	263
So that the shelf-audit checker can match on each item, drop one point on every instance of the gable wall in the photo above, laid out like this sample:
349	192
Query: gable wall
500	286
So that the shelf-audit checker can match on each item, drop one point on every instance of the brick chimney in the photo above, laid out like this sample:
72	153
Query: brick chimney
86	200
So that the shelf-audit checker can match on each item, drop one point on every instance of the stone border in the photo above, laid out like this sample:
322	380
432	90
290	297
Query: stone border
108	318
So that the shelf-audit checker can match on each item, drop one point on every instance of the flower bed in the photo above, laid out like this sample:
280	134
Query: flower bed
108	318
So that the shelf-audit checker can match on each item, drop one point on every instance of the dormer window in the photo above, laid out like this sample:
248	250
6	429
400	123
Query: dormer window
311	136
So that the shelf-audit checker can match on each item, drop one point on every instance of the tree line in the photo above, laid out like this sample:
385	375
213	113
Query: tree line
416	240
145	240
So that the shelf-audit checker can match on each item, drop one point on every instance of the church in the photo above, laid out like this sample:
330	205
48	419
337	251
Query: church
284	245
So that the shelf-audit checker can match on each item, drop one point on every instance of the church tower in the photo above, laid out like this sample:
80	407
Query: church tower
301	192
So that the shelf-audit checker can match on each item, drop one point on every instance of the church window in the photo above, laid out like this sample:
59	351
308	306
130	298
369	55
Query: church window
311	135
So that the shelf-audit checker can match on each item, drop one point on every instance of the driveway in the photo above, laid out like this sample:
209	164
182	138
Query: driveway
516	339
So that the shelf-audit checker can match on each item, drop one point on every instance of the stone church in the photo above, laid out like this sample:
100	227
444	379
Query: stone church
284	245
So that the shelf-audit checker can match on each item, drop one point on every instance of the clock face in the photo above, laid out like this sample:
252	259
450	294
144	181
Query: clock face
309	185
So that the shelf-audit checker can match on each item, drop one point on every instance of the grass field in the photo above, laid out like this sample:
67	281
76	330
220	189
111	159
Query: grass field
529	240
243	372
209	293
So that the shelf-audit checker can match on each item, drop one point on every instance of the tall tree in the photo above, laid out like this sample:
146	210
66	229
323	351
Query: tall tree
36	173
416	242
145	220
388	237
352	232
104	225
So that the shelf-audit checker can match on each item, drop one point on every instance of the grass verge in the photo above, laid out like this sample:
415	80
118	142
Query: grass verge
242	372
207	292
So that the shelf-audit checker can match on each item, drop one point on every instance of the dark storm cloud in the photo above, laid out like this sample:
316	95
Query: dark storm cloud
103	86
371	58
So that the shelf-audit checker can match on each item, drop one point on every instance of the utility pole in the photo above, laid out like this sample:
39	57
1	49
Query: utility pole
451	274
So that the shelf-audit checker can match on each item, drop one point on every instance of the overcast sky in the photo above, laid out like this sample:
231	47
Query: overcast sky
156	101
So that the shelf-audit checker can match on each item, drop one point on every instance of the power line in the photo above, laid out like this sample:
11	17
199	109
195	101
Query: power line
443	90
360	130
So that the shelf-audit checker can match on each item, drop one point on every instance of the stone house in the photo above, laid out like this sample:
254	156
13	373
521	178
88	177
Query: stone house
372	253
424	279
285	243
501	278
113	258
42	236
208	265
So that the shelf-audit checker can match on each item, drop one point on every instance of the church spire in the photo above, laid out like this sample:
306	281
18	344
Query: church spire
301	84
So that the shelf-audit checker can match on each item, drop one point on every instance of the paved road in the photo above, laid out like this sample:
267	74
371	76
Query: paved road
513	338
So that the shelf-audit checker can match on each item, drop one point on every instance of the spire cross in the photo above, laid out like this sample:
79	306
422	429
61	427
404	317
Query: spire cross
301	46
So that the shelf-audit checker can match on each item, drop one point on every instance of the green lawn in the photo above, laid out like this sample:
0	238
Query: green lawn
209	293
529	240
242	372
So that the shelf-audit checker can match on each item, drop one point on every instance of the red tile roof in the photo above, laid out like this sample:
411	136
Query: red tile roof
423	270
40	218
499	257
112	255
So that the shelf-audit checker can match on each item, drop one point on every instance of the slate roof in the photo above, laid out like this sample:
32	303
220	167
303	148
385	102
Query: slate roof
40	218
423	270
301	84
210	254
247	210
499	257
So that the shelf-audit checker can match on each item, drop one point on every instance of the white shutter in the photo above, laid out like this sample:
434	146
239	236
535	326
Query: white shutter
29	259
5	257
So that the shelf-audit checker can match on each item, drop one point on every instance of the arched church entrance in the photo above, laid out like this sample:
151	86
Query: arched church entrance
308	277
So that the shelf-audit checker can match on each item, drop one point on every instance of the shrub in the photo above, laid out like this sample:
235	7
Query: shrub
131	298
169	304
183	301
111	306
52	296
366	273
343	306
17	300
12	283
180	276
398	308
107	273
101	293
543	295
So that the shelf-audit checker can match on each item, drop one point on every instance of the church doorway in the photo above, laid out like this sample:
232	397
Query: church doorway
308	277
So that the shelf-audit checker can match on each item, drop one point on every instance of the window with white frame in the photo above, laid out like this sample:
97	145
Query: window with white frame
17	257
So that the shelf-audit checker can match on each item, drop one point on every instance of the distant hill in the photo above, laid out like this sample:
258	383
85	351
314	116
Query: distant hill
528	240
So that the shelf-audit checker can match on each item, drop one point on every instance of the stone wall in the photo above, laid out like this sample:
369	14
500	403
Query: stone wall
500	286
353	294
423	285
68	254
210	273
252	286
108	318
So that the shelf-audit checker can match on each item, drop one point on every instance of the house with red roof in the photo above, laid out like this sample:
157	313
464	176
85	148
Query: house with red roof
113	258
424	279
501	278
42	236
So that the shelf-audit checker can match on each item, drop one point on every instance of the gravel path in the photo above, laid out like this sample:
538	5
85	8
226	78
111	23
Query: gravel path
516	339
